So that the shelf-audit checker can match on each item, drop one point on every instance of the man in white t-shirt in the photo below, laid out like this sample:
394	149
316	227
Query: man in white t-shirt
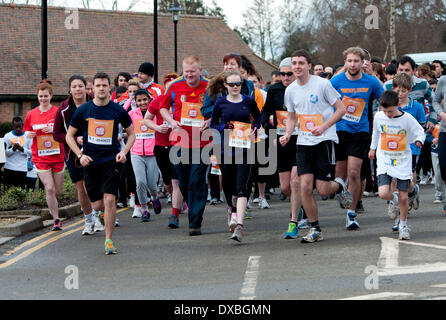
319	108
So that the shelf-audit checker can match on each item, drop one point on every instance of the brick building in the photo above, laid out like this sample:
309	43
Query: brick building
104	41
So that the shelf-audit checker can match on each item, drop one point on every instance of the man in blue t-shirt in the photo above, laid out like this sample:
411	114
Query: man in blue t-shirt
101	154
356	89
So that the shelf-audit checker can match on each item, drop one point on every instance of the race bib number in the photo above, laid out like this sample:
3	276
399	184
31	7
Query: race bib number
46	146
354	109
191	114
308	122
19	140
282	117
393	145
239	136
142	131
215	167
100	131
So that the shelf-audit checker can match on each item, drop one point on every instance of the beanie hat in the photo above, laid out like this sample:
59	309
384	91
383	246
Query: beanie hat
285	63
147	68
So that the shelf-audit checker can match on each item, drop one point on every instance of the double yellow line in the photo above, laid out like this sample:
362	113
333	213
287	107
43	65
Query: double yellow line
56	237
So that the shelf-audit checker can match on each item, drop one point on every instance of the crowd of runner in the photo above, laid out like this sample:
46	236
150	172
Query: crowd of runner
347	131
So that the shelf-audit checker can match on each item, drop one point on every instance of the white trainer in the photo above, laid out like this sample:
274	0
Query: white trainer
137	212
88	229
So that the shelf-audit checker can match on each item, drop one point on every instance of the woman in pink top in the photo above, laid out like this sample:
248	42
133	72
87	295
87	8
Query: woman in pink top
143	159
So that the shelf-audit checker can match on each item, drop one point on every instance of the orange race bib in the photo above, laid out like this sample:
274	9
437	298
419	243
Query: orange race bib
215	167
354	108
282	117
100	131
142	131
308	122
46	146
239	136
19	140
191	114
393	146
436	131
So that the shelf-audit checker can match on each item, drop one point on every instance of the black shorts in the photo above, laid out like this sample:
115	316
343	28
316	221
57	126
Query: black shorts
352	144
166	167
318	160
103	178
286	156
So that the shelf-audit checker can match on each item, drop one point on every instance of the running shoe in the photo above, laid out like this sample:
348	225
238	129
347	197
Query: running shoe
256	200
88	228
137	212
110	248
233	222
344	197
292	231
438	201
117	224
174	222
249	204
360	207
214	202
145	216
444	210
396	224
169	198
195	232
303	224
393	209
120	205
404	233
132	200
351	223
282	196
57	225
238	233
312	236
101	218
184	207
157	206
248	215
416	197
263	204
98	227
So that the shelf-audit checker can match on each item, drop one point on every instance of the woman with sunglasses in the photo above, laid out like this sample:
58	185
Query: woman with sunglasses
231	111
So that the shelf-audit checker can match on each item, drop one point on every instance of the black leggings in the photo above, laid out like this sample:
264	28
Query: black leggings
237	180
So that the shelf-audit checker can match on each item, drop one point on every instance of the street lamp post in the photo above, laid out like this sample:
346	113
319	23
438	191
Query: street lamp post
155	38
44	39
175	17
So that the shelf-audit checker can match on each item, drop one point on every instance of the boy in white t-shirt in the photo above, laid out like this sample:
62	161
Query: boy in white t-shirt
393	132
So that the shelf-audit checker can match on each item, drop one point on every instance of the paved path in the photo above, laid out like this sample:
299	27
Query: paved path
155	262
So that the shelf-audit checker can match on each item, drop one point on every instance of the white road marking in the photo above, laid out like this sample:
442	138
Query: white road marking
424	245
382	295
439	286
389	253
249	284
414	269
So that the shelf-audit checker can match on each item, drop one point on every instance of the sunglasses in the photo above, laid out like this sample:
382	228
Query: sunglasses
283	74
233	84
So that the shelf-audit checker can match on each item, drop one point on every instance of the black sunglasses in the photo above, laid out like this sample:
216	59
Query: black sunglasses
283	74
233	84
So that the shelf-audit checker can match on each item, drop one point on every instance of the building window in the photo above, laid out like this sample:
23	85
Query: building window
18	109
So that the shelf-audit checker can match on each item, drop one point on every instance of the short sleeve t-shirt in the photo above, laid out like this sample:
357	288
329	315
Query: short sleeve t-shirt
44	148
100	128
178	95
355	95
314	104
161	139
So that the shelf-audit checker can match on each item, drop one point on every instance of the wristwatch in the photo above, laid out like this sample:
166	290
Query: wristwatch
79	156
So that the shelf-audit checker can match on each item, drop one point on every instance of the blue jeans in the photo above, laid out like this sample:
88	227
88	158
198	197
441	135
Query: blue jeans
193	185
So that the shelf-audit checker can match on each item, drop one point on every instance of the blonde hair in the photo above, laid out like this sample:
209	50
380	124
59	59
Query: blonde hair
354	50
134	82
191	60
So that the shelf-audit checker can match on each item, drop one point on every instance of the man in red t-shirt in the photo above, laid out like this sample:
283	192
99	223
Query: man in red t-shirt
185	96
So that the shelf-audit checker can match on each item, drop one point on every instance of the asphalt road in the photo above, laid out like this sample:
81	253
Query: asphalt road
155	262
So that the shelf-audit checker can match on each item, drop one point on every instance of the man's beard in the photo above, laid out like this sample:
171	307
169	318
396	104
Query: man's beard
353	74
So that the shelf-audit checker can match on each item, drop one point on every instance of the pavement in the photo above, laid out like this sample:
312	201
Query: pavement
157	263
